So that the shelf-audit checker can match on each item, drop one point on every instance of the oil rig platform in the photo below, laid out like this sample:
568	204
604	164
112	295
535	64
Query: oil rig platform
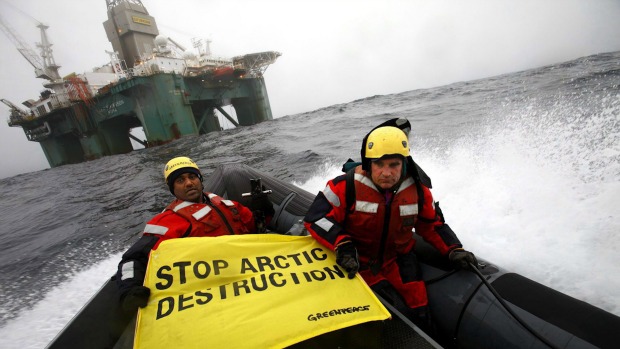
151	82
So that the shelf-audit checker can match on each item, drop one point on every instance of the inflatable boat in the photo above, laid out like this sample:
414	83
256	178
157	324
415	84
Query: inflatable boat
485	308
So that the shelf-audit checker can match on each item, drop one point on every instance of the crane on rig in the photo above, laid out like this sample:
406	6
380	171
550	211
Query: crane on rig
45	66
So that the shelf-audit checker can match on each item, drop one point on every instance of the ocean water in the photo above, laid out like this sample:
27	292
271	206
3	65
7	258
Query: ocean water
526	167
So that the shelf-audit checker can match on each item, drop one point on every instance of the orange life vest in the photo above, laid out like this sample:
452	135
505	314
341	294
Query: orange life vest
219	217
382	230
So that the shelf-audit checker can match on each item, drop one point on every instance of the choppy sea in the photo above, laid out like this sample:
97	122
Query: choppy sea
526	166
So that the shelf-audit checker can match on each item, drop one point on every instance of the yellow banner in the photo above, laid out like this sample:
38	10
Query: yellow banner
248	291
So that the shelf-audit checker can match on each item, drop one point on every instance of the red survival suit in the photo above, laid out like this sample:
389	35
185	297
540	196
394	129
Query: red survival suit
380	224
215	217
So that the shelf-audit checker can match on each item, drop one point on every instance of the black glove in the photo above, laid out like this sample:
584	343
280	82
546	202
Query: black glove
409	267
135	297
346	257
462	258
260	202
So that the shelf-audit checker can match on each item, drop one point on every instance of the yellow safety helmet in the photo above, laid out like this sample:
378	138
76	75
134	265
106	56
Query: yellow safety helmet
387	140
178	166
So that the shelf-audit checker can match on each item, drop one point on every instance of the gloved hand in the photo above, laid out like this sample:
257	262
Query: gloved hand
260	202
346	257
462	258
135	297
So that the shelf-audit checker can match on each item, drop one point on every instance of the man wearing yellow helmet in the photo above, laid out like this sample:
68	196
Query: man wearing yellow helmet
368	214
194	213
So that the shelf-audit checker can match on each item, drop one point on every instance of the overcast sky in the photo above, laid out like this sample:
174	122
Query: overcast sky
332	51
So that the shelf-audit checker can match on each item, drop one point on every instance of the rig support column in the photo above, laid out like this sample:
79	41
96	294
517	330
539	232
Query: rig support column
62	150
164	109
208	122
255	108
93	146
115	132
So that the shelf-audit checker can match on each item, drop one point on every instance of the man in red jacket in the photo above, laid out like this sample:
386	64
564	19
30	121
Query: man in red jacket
194	213
368	216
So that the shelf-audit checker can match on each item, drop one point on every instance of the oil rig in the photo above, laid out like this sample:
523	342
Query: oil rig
151	82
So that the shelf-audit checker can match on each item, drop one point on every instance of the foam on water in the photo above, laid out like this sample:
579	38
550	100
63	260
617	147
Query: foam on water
36	327
538	195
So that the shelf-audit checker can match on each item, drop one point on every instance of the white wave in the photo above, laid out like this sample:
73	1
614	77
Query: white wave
538	194
36	327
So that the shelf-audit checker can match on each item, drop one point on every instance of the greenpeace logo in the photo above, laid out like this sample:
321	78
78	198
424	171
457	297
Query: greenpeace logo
336	312
170	167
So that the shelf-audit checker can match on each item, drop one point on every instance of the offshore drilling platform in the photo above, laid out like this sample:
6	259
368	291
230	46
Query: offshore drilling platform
150	82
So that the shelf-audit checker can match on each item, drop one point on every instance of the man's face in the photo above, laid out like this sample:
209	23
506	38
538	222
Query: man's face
385	173
187	187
